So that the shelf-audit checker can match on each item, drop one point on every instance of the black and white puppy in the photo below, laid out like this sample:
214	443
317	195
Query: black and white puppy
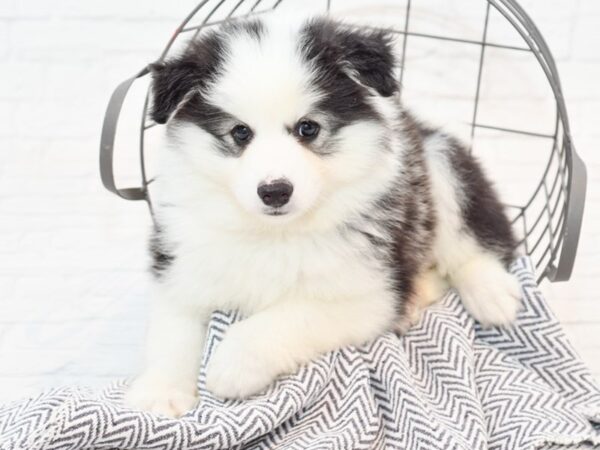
294	188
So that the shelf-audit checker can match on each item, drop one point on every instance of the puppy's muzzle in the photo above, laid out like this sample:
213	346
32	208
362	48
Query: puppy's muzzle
276	193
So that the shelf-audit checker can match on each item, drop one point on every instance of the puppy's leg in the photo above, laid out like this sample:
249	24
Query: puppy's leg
277	340
174	350
474	241
429	287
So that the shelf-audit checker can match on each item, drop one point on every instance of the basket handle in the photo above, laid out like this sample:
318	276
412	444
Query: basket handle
573	220
107	140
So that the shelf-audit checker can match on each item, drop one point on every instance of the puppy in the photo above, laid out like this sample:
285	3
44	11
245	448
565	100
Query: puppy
294	188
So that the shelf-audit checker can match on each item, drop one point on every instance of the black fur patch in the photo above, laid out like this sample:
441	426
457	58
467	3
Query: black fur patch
161	257
335	51
174	79
482	211
412	206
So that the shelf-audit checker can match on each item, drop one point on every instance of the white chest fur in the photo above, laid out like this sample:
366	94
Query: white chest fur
249	272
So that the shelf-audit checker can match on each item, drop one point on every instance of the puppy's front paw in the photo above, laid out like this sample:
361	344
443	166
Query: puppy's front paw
241	366
169	398
490	293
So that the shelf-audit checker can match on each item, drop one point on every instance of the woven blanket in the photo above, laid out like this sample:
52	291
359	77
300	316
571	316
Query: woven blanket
447	384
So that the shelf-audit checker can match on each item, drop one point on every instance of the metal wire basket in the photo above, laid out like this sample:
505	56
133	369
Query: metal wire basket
547	217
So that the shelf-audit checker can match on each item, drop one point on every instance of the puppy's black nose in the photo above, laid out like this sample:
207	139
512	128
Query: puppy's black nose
276	193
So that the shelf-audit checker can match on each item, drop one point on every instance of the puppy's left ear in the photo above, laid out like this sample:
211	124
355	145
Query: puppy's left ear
364	55
370	58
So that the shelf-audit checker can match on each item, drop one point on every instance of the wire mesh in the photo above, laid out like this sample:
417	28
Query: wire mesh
548	218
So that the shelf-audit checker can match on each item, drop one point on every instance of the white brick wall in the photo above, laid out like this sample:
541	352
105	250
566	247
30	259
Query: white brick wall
73	291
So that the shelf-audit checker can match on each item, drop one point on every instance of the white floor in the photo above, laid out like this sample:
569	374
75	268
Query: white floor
73	287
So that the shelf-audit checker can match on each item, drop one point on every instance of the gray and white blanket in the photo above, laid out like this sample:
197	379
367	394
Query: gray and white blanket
447	384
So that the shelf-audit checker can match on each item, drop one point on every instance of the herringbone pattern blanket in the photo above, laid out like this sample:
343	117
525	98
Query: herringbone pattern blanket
446	385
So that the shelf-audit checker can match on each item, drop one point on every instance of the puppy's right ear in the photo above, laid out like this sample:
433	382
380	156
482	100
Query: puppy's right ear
171	81
193	70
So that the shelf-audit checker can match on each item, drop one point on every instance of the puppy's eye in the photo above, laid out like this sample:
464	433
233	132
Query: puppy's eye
241	134
307	129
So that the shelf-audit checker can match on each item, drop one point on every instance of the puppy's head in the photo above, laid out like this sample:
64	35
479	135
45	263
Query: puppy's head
286	122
